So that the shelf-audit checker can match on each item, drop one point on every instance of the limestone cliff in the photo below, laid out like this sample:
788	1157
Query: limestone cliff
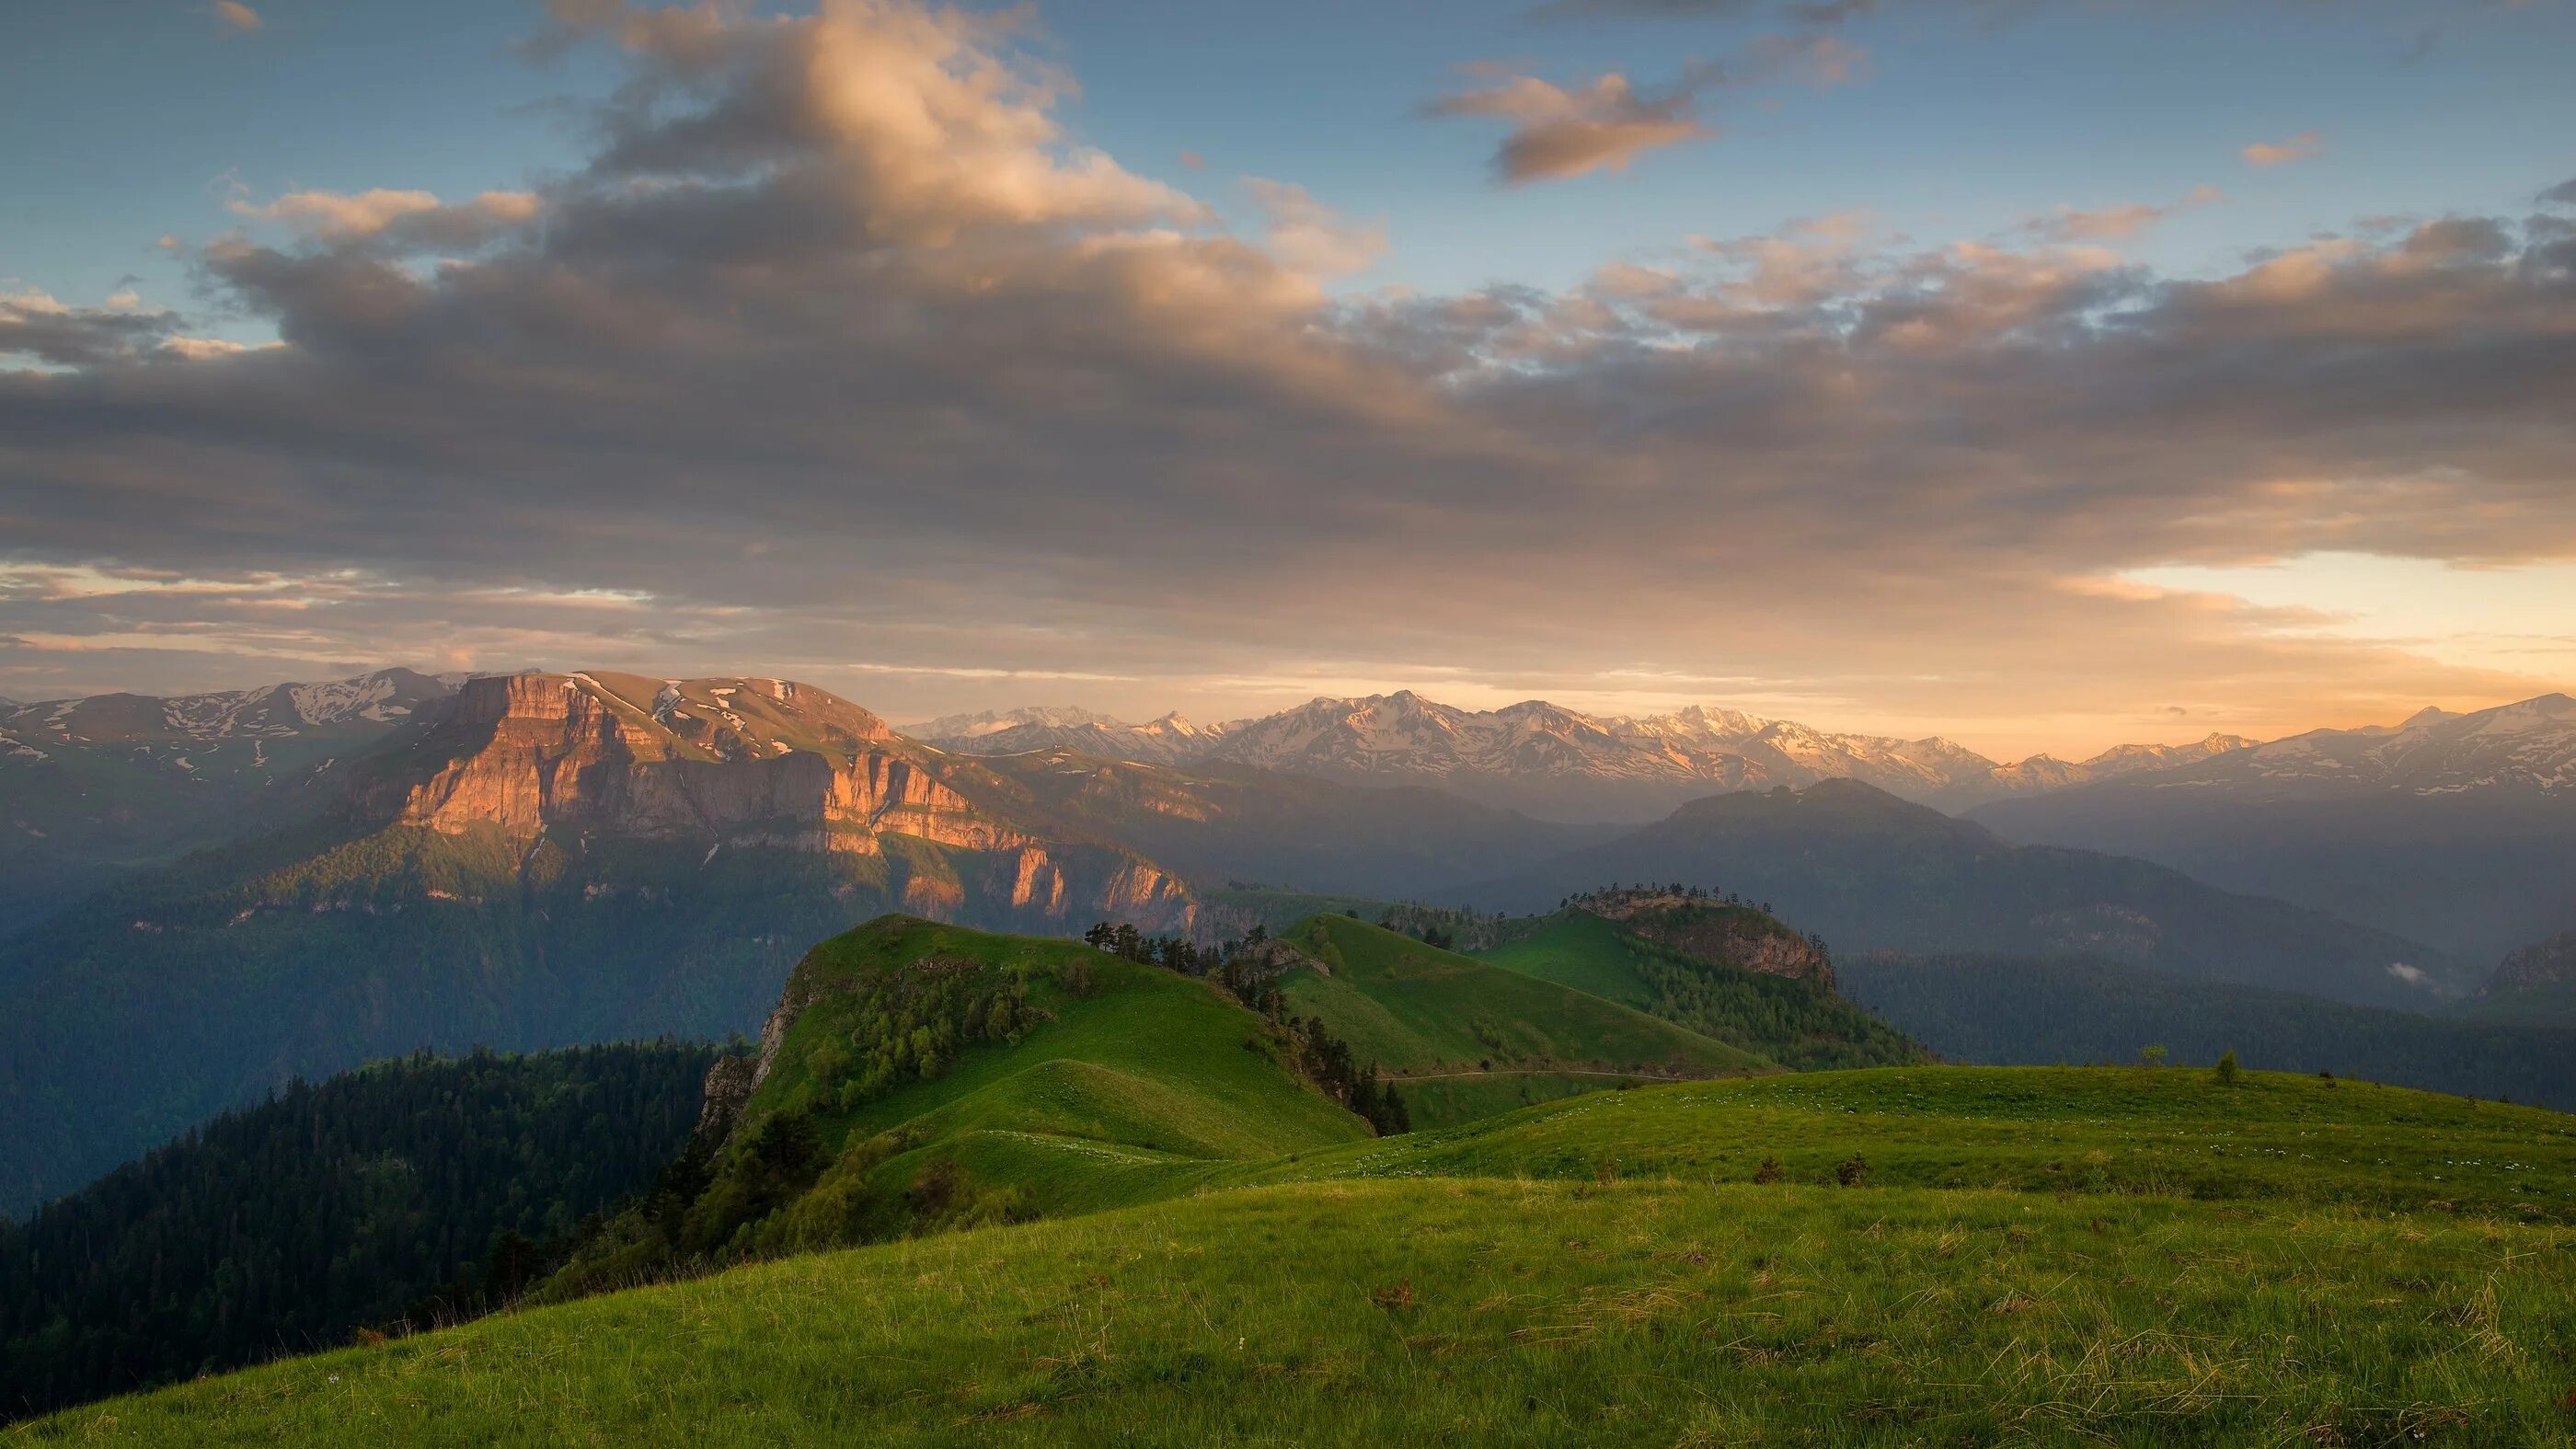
749	763
531	751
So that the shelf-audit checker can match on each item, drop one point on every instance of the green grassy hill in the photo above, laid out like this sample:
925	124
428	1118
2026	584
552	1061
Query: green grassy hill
922	1075
1466	1039
2018	1256
1801	1024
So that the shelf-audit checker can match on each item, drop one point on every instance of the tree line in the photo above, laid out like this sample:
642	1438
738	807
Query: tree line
410	1191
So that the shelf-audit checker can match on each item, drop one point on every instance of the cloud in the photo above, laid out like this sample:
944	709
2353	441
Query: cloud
2562	194
409	218
33	324
2115	223
1307	236
234	15
838	346
2300	147
1558	133
1607	123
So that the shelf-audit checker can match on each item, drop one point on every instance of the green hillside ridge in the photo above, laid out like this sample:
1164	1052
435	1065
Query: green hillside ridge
922	1075
1940	1255
1801	1024
1464	1038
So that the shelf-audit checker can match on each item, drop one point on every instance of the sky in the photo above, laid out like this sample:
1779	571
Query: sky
2046	374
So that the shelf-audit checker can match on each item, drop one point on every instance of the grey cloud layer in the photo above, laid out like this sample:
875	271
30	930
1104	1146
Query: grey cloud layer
840	353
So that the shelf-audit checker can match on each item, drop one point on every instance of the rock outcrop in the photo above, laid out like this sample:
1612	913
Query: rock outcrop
1732	934
2547	964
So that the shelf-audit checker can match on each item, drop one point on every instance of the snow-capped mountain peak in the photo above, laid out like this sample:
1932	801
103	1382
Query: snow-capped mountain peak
2527	745
954	727
277	711
1543	757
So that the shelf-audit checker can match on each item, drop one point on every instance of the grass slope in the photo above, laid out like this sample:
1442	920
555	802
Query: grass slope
1121	1083
1470	1038
2120	1256
1191	1086
2168	1131
1797	1023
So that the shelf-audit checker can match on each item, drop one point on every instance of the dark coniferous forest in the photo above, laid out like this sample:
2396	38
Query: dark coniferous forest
405	1192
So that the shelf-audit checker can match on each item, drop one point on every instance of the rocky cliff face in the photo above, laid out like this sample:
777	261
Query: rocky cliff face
531	751
1731	934
746	764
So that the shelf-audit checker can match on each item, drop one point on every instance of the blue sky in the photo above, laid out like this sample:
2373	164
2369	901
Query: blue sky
1955	365
152	116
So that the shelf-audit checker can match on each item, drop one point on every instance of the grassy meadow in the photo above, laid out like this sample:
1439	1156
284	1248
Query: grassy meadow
2028	1256
1502	1311
1102	1208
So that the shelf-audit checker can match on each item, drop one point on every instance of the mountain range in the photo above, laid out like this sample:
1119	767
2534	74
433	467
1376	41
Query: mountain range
1870	872
2456	829
546	859
1551	761
92	789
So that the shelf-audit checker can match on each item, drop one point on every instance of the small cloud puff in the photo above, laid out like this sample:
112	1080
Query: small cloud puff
1559	133
234	15
2281	153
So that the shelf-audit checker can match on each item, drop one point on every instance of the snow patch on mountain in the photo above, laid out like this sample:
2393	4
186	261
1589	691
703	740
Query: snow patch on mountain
1540	755
2528	745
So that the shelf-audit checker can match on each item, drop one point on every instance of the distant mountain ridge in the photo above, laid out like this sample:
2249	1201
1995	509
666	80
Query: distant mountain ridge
92	789
1170	740
2457	829
1552	761
1869	871
274	711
